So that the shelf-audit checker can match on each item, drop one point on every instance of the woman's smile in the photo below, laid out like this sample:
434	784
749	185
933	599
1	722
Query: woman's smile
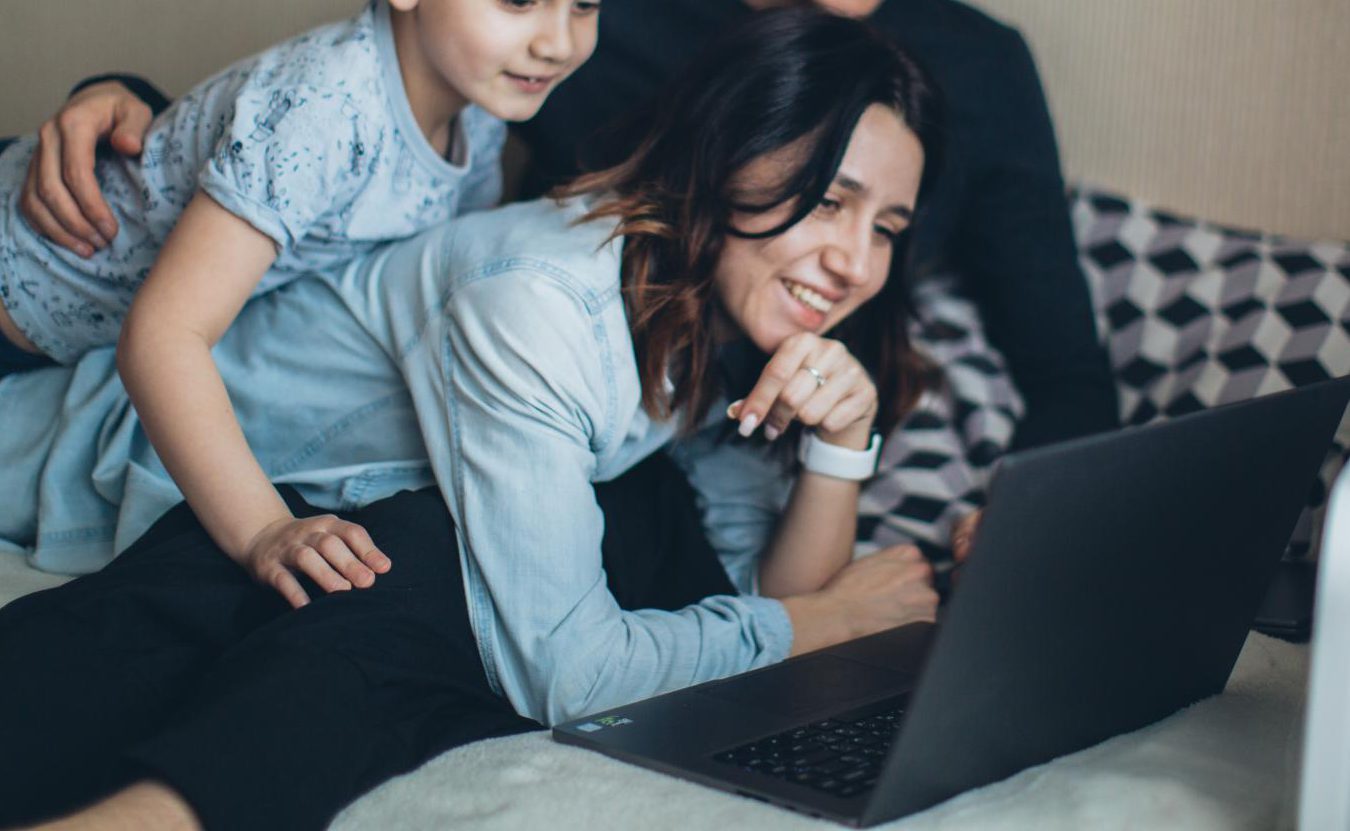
809	307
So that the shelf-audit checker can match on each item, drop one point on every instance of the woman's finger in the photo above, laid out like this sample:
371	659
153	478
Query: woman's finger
800	389
52	192
813	372
963	535
359	541
852	408
316	568
902	553
778	372
844	381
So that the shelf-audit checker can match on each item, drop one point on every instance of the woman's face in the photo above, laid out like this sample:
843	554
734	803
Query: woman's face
819	271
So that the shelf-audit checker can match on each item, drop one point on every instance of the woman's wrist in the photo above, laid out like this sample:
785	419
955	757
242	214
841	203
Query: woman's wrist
816	622
839	461
857	436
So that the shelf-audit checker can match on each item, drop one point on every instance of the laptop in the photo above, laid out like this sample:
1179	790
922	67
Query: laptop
1112	582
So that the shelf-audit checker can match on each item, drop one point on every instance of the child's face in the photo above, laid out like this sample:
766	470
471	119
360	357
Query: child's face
506	56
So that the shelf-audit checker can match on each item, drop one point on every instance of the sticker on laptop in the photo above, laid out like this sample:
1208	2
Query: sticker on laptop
603	722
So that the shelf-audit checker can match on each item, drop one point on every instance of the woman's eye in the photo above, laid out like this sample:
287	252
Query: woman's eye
518	5
828	204
890	235
584	7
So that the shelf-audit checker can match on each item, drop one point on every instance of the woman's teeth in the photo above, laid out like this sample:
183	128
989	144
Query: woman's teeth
809	297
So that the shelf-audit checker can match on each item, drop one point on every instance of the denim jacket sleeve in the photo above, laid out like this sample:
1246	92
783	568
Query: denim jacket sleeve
534	401
511	335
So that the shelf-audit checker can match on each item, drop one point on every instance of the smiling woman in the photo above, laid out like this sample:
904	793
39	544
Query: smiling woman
744	260
824	267
776	205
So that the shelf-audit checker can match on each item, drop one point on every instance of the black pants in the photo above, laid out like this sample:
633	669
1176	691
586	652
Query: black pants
172	664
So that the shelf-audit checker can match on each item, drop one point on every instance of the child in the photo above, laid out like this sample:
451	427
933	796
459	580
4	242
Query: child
290	162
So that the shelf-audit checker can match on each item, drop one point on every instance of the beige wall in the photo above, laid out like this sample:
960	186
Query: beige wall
1236	110
51	44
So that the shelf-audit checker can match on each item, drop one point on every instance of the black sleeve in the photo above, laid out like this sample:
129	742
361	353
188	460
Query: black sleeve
1015	245
139	87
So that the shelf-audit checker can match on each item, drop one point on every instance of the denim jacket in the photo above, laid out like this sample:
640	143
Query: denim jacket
497	348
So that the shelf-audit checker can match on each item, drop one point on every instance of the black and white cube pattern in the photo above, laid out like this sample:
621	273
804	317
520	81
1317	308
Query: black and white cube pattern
935	466
1195	315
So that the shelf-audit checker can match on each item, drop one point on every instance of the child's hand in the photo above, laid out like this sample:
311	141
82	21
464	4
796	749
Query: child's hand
332	552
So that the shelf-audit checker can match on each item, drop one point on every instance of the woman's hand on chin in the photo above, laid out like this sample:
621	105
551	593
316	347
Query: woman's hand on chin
887	589
817	382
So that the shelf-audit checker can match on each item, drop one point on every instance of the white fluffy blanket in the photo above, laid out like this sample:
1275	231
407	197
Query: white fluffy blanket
1229	762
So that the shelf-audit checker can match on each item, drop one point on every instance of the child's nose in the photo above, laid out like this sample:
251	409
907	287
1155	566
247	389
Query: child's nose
553	42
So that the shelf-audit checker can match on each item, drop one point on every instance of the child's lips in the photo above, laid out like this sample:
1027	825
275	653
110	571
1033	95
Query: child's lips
531	83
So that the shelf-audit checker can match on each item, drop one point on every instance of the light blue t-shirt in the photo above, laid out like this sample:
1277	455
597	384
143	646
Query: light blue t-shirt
312	142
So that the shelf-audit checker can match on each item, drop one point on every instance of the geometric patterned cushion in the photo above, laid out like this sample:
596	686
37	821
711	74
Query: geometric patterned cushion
1192	315
935	466
1196	315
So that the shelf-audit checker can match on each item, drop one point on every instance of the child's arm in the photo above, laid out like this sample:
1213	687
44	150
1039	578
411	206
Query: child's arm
205	273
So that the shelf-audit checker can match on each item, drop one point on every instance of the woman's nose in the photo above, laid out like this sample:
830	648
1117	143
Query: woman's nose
847	257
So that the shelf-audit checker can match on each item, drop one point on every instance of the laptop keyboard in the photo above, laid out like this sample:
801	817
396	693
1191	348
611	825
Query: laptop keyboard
840	756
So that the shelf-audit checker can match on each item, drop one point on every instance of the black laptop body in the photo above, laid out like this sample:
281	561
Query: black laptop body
1112	582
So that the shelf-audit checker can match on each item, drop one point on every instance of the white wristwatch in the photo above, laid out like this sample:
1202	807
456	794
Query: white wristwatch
819	456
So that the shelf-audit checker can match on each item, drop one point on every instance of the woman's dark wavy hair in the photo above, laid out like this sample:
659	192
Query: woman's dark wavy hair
787	76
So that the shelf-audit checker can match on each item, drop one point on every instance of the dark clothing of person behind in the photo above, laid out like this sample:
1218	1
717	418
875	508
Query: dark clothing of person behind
172	664
997	216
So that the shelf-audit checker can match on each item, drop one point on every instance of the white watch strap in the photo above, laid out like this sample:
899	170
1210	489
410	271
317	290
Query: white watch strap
819	456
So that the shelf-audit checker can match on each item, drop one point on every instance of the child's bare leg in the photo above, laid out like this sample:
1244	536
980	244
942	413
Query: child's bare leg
11	331
147	806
